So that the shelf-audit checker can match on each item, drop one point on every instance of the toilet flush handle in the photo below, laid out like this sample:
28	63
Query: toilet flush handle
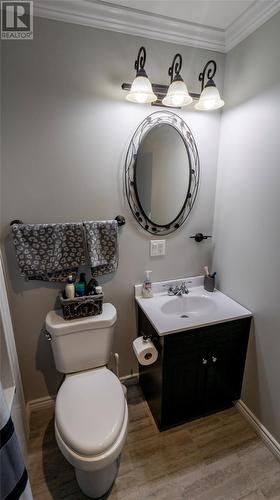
48	336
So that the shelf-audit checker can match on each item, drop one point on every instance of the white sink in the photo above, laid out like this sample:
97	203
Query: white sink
169	314
188	305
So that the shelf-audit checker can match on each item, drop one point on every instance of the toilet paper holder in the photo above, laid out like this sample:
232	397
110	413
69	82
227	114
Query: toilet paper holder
146	336
144	348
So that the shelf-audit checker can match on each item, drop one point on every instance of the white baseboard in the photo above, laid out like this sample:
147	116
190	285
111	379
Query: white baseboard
39	404
260	429
132	379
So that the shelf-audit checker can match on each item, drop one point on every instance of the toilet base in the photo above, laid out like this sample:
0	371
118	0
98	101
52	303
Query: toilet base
95	484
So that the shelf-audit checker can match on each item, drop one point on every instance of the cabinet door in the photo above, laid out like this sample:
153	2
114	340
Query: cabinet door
203	370
183	384
226	361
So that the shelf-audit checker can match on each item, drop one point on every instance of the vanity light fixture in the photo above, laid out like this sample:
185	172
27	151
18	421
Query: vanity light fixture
177	94
210	97
141	89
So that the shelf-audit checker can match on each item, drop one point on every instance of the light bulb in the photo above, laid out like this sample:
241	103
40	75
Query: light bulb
141	91
140	98
177	94
210	98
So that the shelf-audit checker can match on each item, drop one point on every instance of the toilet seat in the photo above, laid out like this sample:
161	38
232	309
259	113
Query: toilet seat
90	411
94	462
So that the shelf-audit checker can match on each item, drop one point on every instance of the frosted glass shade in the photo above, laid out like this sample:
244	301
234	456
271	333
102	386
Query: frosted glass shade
209	99
177	95
141	91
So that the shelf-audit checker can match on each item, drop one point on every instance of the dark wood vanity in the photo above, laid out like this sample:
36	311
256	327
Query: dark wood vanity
198	371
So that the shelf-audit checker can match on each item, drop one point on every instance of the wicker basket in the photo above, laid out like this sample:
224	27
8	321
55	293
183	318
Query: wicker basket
80	307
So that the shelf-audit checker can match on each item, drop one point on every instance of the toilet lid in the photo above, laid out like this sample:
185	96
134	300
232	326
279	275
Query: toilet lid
89	410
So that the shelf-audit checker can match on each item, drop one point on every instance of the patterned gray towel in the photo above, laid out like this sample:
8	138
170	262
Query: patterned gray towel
102	245
49	252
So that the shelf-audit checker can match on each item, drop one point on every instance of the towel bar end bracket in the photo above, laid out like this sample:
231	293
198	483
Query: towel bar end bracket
16	221
120	220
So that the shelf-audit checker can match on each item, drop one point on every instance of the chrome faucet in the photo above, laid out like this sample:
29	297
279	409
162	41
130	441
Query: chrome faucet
178	290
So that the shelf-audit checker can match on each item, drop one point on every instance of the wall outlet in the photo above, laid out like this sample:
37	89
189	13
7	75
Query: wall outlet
157	248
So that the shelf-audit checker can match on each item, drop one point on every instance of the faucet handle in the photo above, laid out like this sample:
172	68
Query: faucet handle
184	287
170	288
168	285
177	289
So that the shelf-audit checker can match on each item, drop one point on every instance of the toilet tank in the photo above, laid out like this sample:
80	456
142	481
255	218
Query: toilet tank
84	343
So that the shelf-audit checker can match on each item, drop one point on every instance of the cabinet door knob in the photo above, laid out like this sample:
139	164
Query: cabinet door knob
214	359
204	361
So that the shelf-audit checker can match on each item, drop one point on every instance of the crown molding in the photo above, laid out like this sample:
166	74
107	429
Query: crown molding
107	16
251	19
132	22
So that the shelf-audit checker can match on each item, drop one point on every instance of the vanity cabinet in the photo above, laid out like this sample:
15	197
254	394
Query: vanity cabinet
198	371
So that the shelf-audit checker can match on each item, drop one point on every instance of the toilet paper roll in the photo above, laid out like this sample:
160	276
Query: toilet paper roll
145	351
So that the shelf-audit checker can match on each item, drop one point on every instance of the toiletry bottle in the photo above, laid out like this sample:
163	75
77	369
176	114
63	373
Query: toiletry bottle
70	288
80	286
91	286
98	290
147	291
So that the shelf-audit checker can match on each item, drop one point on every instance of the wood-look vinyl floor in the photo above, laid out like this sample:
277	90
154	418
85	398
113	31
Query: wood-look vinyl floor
214	458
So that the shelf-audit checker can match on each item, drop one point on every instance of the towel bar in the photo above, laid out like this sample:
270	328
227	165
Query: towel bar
120	220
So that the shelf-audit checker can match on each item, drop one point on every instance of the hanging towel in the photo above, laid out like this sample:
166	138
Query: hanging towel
102	245
49	252
14	482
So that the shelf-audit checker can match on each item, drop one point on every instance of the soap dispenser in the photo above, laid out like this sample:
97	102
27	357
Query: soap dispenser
147	291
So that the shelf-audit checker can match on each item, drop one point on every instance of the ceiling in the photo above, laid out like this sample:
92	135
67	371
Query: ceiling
217	25
214	13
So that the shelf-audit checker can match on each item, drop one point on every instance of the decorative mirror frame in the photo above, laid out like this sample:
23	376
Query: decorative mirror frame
152	121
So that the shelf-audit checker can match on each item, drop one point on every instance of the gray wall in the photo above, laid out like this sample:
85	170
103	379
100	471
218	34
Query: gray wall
247	236
66	131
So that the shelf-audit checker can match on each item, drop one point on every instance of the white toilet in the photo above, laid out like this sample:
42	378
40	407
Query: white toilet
91	414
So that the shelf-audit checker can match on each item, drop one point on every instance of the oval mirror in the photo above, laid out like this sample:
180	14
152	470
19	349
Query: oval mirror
162	173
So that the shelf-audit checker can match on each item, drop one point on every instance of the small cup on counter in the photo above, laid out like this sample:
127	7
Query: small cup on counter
209	283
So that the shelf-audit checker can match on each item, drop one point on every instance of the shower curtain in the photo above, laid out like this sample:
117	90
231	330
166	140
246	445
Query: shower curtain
14	483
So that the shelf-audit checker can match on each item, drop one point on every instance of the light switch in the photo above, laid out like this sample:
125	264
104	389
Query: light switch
157	248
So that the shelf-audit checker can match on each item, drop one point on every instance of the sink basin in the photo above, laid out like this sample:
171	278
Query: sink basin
188	305
197	309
